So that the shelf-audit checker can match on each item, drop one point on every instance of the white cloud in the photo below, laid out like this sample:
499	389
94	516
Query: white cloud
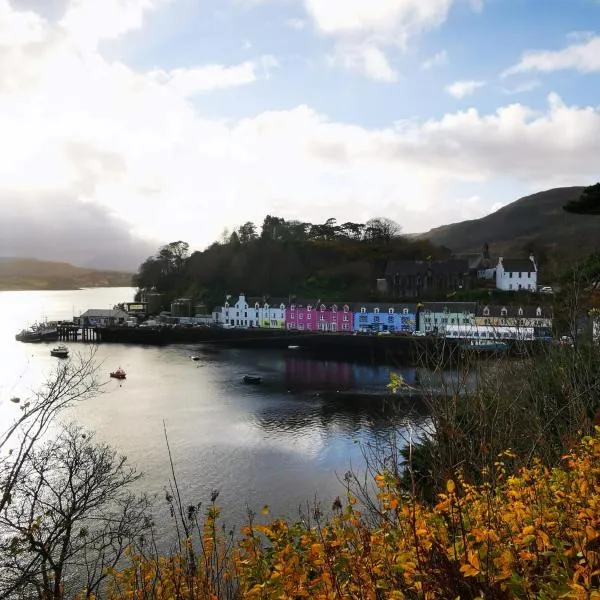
366	59
437	60
296	24
461	89
76	125
89	21
376	25
522	88
583	57
188	82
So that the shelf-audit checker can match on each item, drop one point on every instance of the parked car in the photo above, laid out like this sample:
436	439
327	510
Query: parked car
419	333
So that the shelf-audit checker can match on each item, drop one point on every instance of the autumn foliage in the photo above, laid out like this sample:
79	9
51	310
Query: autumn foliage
534	533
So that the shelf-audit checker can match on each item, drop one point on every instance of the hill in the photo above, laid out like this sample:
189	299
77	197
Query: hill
284	258
530	223
33	274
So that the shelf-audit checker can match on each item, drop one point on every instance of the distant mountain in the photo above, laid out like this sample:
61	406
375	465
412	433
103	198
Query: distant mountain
33	274
537	220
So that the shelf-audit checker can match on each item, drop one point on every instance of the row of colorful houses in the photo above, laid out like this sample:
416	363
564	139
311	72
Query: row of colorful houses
428	317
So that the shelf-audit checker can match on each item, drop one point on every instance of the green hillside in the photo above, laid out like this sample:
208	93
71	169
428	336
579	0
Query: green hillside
32	274
531	223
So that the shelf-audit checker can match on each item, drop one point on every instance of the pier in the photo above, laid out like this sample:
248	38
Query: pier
74	333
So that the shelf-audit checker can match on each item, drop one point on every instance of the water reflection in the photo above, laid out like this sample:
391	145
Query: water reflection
280	443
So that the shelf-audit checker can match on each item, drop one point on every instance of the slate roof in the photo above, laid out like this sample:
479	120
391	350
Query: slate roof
529	312
456	266
384	307
518	264
104	313
453	307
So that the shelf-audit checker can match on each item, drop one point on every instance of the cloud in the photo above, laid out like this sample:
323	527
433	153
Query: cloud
59	227
188	82
437	60
126	155
366	59
522	88
297	24
461	89
583	57
363	31
89	21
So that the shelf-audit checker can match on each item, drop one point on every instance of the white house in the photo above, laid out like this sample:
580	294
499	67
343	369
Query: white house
513	274
248	312
271	313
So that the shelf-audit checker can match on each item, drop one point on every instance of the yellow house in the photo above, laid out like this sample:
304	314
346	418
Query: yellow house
514	316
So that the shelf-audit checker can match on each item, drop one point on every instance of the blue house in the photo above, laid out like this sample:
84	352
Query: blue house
373	317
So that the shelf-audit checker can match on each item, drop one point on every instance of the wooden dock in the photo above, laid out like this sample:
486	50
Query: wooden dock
74	333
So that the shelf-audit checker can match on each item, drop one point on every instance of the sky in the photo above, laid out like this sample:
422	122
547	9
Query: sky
127	124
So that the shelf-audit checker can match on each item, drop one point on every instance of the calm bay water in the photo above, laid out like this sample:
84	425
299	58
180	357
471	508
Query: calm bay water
281	443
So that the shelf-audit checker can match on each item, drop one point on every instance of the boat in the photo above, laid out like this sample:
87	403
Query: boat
60	352
195	358
118	374
39	332
484	345
252	379
293	347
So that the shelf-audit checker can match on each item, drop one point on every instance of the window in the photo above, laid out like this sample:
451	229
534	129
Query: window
346	308
256	305
301	326
391	311
405	311
538	312
510	286
503	312
282	306
376	311
391	319
376	319
345	317
309	316
486	312
322	307
321	317
363	310
520	312
345	327
226	304
301	315
309	308
334	308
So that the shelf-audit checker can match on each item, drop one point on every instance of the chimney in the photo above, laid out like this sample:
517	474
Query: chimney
532	259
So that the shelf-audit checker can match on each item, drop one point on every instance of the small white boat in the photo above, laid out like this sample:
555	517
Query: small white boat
60	352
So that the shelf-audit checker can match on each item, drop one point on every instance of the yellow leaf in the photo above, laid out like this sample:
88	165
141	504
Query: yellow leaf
450	486
264	510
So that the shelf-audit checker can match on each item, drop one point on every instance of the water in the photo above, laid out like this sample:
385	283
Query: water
281	443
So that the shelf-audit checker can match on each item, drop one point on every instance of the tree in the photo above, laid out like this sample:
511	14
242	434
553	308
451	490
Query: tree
70	519
587	204
247	232
353	231
70	382
272	228
382	230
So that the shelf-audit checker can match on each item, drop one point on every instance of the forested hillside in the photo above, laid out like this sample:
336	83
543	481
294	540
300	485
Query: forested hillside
284	258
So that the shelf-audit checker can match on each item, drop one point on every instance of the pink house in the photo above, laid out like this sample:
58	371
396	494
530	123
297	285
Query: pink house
307	316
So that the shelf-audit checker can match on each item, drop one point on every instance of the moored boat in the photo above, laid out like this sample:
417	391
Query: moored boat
40	332
118	374
60	352
252	379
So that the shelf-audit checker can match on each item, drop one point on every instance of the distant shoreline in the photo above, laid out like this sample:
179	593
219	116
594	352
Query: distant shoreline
58	288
